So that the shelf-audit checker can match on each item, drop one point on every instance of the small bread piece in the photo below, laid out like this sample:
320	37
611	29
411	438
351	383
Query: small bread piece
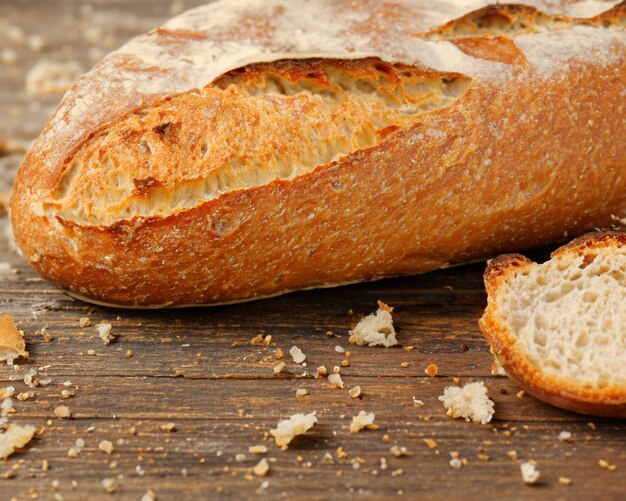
15	437
375	329
12	344
559	328
288	429
470	402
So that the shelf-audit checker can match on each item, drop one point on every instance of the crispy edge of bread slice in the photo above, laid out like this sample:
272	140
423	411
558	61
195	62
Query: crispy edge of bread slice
557	391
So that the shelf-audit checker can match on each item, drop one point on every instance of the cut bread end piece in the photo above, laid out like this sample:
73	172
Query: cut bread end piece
559	328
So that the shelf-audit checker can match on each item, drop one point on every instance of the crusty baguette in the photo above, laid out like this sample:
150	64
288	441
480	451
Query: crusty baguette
251	148
559	328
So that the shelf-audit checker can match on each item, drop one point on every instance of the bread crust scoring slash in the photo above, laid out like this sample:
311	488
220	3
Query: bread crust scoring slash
203	163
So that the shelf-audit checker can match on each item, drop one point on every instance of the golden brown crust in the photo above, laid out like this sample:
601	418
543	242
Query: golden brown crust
558	391
489	171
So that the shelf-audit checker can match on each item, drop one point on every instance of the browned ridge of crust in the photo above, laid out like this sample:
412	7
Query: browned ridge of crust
292	174
558	391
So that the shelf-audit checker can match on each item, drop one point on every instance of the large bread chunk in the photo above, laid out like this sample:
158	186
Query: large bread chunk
250	148
559	328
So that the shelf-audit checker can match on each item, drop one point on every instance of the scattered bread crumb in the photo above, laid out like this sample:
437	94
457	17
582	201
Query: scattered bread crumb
168	427
565	436
355	392
430	443
340	349
106	446
398	451
12	343
15	437
50	77
257	449
84	322
375	329
456	463
302	392
432	370
62	412
261	468
335	380
150	495
278	368
565	481
321	371
520	394
362	420
104	333
470	402
288	429
297	355
530	474
109	485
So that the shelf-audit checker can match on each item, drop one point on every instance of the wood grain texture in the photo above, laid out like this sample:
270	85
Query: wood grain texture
196	368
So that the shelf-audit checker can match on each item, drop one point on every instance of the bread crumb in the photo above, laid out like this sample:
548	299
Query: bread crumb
530	474
129	353
456	463
362	420
355	392
397	451
335	380
278	354
288	429
240	458
51	77
72	452
376	329
340	349
109	485
345	363
15	437
150	495
106	446
432	370
91	352
25	395
278	368
168	427
297	355
321	371
62	412
430	443
261	468
565	436
327	459
418	403
470	402
404	365
12	343
302	392
257	449
565	481
104	333
84	322
520	394
512	455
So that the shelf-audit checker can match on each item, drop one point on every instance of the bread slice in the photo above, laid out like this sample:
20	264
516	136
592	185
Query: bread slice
559	328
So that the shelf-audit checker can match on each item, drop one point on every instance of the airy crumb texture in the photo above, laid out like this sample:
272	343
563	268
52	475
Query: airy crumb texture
362	420
470	402
288	429
559	326
12	343
530	474
375	329
15	437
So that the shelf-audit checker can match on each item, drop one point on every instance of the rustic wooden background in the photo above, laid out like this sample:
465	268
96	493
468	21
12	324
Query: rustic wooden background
197	369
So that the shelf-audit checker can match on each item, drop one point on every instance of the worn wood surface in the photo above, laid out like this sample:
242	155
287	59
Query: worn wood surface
197	368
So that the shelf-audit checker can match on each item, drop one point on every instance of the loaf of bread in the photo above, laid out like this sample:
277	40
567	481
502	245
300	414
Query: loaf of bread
251	148
559	328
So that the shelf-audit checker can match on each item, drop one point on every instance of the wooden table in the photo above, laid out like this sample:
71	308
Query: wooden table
198	369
